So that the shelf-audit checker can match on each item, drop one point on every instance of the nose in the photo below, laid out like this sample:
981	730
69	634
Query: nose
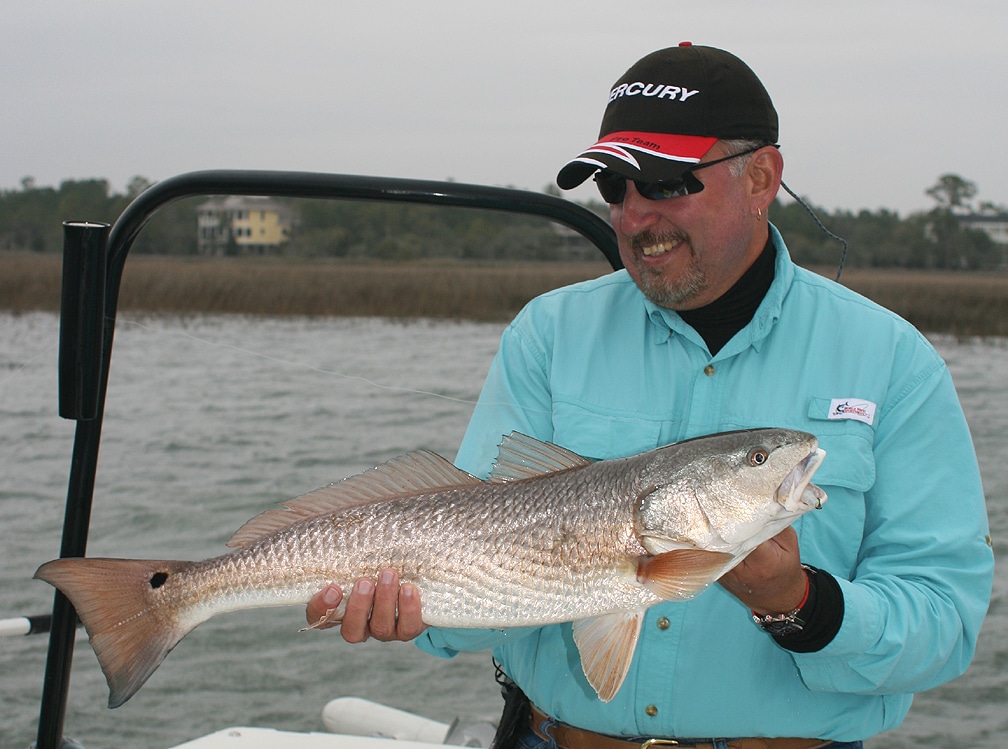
635	213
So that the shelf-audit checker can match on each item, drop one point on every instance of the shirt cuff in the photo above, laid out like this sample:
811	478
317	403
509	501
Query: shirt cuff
822	614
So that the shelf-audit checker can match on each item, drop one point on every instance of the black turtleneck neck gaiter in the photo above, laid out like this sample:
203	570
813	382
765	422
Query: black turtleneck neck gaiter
718	321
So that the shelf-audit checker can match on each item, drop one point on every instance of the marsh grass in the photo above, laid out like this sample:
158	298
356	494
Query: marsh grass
470	290
960	303
963	304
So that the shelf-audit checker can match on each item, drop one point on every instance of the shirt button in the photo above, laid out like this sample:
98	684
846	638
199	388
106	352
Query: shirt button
662	623
709	370
651	710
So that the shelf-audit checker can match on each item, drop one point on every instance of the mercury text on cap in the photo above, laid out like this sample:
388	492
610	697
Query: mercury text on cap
659	90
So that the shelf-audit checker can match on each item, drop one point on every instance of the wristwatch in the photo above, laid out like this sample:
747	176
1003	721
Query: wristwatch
780	624
789	623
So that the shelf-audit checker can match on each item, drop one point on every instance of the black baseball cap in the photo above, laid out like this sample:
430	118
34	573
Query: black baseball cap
668	110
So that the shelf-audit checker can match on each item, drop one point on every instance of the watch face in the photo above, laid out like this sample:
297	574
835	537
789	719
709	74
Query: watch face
783	627
782	624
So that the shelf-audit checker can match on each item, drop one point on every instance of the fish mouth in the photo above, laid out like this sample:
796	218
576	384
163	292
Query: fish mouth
796	492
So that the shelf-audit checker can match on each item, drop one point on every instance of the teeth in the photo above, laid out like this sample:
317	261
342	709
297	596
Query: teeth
813	496
659	248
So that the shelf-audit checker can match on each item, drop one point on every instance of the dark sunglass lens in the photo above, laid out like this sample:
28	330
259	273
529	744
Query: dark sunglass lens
611	186
686	184
672	188
691	185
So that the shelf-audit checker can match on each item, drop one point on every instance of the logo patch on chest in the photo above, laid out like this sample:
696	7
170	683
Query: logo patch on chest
852	408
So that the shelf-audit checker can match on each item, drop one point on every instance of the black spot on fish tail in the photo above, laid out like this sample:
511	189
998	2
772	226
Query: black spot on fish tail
158	579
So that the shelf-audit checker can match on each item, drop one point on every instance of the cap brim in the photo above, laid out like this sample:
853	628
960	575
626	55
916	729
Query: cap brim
644	156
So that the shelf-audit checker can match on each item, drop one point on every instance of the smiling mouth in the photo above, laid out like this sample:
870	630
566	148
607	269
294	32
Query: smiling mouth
652	246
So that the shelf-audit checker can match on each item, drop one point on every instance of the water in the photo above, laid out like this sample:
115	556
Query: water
211	419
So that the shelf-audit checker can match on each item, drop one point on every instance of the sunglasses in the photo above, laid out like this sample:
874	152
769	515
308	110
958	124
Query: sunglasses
612	186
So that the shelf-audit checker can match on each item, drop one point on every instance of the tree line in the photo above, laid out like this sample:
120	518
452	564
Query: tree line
31	219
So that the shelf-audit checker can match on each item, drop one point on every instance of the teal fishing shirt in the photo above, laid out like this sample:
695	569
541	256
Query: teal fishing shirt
599	369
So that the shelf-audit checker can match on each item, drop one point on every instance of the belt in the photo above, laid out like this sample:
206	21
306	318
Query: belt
569	737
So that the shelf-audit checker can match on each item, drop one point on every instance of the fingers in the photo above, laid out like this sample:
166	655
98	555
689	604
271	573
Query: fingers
358	611
394	613
321	603
383	610
382	619
410	624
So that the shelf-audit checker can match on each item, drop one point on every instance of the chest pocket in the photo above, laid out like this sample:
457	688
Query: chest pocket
850	462
602	436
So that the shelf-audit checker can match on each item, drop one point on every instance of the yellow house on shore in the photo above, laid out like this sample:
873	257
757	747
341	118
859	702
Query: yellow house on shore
242	225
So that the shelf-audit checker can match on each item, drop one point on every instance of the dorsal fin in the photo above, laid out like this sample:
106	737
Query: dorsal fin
415	473
521	457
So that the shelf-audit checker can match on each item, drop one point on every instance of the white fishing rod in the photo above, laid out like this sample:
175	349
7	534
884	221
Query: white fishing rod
26	625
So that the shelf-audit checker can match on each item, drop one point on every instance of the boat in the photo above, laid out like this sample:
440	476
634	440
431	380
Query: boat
94	256
354	723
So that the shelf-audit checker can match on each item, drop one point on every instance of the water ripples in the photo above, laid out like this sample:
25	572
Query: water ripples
213	419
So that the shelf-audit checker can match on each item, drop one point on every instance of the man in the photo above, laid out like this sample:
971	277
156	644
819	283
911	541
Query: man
825	631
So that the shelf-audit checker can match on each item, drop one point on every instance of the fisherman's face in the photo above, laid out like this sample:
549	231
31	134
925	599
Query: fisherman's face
686	252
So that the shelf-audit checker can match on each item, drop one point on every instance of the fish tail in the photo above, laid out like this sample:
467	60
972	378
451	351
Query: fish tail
128	621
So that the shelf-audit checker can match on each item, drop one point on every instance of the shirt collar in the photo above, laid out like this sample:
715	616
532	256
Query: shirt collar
665	322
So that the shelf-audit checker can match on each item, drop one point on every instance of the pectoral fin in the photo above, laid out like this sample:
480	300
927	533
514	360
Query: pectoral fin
607	644
681	574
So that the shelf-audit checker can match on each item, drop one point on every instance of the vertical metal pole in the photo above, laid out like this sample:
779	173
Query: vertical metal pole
82	377
82	313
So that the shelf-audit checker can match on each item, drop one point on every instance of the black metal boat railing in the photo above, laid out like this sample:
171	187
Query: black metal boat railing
93	259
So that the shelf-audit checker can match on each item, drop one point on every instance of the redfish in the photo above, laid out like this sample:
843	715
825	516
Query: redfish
549	537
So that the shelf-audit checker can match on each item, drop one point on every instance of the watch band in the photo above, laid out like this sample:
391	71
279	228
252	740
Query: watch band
791	622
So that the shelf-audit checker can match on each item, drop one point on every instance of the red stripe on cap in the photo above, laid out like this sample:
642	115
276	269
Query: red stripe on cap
664	145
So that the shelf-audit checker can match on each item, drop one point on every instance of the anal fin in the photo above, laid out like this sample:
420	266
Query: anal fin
606	644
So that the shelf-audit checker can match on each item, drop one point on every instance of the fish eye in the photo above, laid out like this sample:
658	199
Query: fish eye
758	456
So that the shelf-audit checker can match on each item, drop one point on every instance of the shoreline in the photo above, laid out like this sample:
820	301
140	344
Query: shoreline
956	303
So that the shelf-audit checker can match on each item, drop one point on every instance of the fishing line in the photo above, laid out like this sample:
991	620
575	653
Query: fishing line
302	365
24	365
822	227
331	372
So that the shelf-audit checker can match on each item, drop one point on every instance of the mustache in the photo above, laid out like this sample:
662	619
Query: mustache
649	238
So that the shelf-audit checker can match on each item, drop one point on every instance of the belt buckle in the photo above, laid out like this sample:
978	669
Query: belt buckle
652	743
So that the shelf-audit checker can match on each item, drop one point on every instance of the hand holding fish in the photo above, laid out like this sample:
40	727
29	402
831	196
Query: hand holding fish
770	580
383	610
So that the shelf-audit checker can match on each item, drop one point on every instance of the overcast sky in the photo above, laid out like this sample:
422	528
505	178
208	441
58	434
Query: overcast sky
876	99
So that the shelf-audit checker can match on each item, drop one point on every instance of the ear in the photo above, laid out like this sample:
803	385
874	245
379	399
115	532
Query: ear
765	169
